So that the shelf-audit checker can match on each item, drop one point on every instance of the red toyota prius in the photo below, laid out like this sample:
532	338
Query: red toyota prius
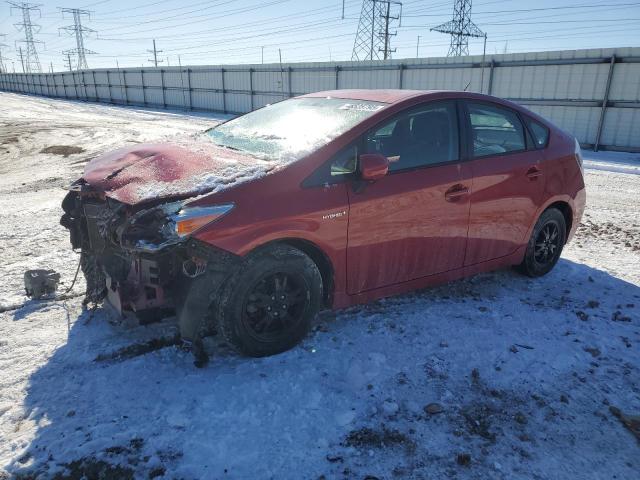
323	201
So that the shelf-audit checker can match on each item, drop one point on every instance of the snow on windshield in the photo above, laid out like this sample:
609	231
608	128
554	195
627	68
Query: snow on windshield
289	130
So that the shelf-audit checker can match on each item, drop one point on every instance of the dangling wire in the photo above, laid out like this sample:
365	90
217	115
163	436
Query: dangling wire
73	282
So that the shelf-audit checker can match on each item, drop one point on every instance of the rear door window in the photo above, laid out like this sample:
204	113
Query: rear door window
495	130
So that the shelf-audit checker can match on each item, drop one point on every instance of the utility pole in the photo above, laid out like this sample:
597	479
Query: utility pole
51	67
418	46
78	30
373	37
31	63
261	54
386	53
155	54
2	68
21	55
460	28
67	60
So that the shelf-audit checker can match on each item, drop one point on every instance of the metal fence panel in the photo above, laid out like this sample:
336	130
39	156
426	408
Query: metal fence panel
593	94
621	127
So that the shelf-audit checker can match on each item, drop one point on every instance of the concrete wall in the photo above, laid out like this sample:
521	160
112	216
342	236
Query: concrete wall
593	94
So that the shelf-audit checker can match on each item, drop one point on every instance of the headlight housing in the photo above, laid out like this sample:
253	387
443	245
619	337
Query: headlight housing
190	219
154	229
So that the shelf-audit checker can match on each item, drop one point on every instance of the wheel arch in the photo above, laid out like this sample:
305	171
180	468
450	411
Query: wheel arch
567	213
317	255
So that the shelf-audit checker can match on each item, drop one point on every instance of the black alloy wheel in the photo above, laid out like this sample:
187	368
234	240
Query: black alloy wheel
275	306
546	244
267	306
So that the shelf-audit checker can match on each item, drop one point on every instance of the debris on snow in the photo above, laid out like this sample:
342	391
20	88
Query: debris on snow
631	422
63	150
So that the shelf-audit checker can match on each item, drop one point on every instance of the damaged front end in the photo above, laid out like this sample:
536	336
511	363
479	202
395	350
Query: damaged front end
142	258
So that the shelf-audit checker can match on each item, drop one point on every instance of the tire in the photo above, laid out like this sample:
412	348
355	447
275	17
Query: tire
545	245
268	305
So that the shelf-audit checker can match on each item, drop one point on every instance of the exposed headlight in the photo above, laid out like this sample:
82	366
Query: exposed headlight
159	227
189	219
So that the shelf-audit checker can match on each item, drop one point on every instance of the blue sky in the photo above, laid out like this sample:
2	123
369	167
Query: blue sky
236	31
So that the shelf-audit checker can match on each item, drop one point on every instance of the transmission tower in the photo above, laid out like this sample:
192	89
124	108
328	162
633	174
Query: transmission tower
460	29
78	30
373	38
31	61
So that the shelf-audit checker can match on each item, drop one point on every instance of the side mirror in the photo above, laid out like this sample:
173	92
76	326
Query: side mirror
373	166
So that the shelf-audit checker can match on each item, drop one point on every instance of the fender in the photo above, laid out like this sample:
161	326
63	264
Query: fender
576	206
328	236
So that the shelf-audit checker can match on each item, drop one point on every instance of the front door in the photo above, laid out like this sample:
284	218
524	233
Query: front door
413	222
508	181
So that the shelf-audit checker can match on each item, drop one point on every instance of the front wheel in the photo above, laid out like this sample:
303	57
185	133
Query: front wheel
268	306
545	245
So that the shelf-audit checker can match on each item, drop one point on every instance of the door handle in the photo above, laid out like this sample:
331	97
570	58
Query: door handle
533	173
456	192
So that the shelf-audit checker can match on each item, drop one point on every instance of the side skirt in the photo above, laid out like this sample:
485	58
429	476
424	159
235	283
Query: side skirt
343	300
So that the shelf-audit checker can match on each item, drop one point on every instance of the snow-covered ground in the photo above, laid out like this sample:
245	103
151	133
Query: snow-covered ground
523	373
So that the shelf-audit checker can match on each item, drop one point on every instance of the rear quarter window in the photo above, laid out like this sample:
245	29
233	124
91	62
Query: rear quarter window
540	133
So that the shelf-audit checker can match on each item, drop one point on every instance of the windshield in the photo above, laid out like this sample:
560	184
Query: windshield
290	130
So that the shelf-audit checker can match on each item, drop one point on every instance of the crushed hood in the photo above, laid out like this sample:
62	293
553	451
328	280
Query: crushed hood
151	172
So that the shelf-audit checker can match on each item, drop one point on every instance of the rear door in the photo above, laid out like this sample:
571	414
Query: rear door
508	181
413	222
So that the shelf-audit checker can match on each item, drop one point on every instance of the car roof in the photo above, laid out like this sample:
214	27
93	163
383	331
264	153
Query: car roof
383	95
395	95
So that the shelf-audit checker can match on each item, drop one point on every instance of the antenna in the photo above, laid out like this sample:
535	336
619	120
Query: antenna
281	73
78	30
30	62
373	36
460	28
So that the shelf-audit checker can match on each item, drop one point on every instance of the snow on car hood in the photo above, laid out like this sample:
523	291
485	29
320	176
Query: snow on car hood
147	172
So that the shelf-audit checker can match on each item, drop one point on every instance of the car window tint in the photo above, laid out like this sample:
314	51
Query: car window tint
345	162
495	130
540	133
424	136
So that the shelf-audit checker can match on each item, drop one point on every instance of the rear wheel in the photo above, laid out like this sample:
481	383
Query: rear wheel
268	306
545	245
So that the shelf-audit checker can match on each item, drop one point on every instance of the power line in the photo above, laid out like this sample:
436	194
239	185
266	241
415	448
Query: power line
31	63
460	28
78	30
527	10
373	36
224	13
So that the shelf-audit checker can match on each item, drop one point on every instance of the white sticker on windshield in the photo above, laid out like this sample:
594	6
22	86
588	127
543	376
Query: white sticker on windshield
361	107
